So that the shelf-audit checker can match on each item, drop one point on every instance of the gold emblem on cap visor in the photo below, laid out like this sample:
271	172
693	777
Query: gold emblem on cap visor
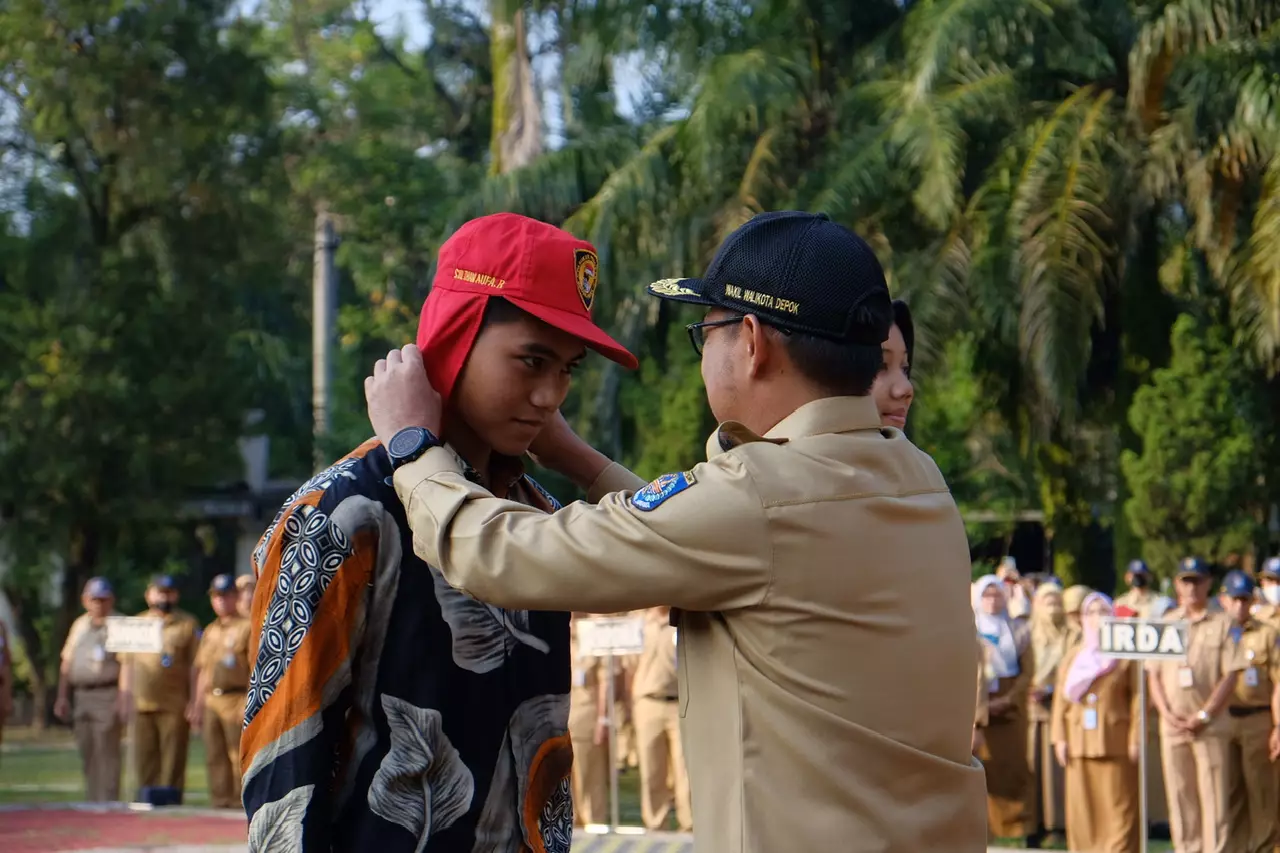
586	270
670	287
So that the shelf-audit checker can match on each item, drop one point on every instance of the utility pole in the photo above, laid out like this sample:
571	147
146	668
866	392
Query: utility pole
324	296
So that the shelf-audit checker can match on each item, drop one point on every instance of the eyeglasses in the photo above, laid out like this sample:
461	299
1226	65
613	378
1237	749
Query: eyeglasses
697	336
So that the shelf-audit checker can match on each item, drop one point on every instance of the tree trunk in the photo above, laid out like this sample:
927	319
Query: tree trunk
25	604
517	111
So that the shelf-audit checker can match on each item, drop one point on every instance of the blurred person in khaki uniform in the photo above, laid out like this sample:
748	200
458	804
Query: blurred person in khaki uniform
1140	597
1097	737
90	675
159	688
1254	716
1143	600
589	732
1072	598
656	692
221	683
1048	646
1190	696
1008	665
795	556
245	585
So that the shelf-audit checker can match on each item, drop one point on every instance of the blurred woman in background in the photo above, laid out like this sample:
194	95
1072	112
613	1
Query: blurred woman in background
893	391
1048	645
1095	737
1009	666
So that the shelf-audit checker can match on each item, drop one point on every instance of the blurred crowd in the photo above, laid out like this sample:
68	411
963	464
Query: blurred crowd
196	680
647	722
1058	727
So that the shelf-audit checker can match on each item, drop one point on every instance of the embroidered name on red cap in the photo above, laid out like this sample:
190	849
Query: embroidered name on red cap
585	267
479	278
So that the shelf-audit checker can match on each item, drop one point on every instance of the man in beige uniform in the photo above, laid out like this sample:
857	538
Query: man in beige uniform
1140	598
159	688
1190	696
589	731
796	555
93	673
663	777
1254	712
223	679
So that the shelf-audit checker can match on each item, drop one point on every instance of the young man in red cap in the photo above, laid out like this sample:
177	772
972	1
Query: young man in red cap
386	710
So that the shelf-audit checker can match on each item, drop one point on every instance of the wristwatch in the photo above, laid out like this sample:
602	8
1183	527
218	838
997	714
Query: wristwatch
1204	716
409	444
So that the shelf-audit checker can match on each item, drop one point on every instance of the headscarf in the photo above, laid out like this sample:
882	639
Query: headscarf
1089	664
996	631
1048	635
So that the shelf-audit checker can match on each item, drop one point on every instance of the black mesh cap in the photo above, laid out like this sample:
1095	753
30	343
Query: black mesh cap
796	271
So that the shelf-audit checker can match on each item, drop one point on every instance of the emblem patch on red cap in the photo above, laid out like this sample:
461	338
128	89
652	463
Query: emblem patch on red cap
586	272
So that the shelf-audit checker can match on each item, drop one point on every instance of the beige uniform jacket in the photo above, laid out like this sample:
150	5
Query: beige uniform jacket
224	653
162	683
816	567
89	664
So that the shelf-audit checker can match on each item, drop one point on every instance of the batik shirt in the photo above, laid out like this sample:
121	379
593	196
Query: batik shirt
388	711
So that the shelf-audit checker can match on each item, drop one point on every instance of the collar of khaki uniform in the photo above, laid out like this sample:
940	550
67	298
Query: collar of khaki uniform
820	417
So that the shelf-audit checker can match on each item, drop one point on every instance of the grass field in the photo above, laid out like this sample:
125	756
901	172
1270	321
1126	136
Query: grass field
45	768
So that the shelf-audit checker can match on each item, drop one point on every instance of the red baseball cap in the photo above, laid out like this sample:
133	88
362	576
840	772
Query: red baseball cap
537	267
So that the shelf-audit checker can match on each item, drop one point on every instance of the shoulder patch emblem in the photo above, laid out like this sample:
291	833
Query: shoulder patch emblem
653	495
586	271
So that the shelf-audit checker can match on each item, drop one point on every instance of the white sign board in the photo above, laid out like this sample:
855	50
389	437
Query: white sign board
622	635
135	634
1143	639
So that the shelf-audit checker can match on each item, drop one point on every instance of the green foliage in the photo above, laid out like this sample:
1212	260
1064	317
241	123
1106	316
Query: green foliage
1197	485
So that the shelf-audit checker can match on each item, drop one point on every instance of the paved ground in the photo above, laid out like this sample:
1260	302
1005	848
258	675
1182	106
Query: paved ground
118	829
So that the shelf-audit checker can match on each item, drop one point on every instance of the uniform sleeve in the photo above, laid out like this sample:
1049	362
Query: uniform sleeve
1233	655
1058	714
73	637
1136	733
698	540
202	652
1274	656
982	716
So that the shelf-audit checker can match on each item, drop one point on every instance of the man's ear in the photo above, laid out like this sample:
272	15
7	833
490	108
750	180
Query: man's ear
758	352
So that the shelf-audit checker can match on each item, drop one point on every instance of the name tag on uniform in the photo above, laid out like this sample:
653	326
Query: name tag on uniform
99	654
229	661
1186	678
1251	677
579	677
1090	719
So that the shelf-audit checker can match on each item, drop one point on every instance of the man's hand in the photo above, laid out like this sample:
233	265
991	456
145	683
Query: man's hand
195	713
1060	752
979	740
558	448
400	395
1273	743
601	735
62	708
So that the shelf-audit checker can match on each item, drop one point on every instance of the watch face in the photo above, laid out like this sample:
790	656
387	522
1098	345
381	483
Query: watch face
406	441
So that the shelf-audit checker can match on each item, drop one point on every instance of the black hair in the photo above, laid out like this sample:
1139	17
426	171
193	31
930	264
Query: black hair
846	370
500	312
902	319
